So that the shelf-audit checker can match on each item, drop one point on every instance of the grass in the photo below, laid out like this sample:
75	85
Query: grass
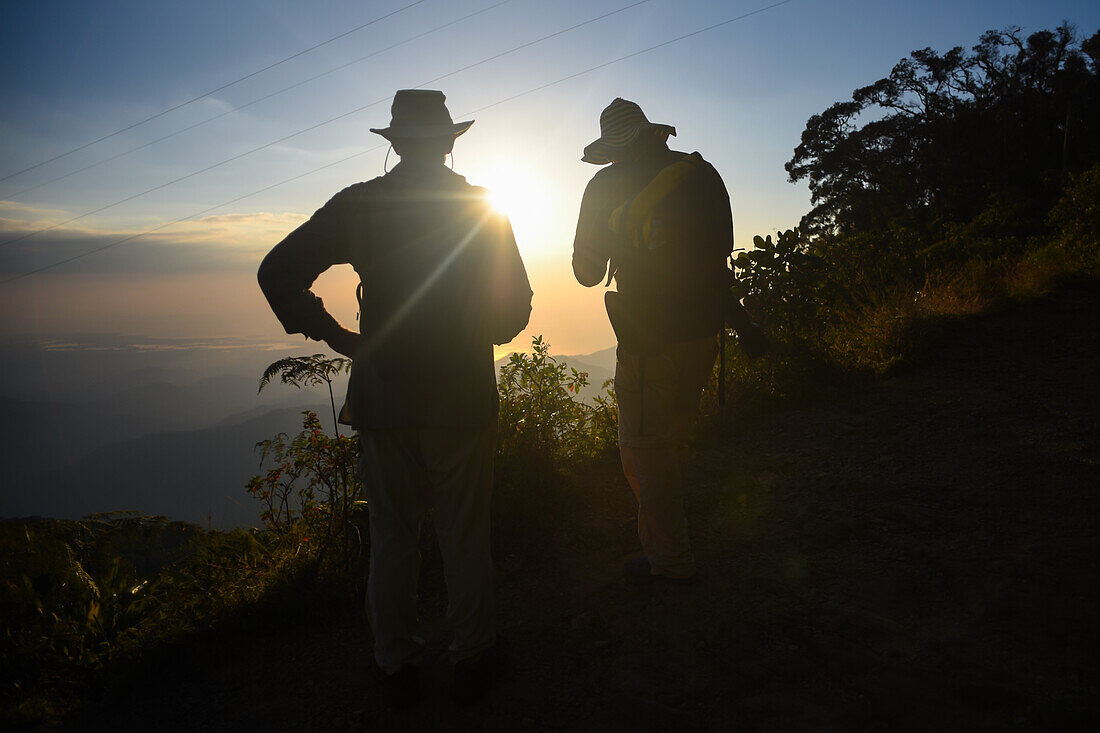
877	330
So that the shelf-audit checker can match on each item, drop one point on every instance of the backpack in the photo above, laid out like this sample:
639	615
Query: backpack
676	285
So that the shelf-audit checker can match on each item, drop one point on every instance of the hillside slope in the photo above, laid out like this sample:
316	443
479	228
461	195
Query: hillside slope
914	557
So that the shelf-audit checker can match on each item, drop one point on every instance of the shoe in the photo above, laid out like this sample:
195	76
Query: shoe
638	570
472	677
402	688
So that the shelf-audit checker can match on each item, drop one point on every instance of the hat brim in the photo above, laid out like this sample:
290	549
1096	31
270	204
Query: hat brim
599	151
419	132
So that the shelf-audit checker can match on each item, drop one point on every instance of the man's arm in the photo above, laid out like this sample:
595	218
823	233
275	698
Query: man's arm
594	241
289	270
509	289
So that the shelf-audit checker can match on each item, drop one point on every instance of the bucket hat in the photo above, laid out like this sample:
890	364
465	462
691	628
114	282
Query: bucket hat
421	113
620	124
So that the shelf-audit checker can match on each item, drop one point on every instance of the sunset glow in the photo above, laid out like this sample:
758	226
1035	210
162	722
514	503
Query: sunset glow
116	182
520	197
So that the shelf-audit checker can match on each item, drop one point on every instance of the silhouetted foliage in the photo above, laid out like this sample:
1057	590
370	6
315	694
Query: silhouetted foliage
308	371
939	190
311	466
544	429
77	596
960	145
782	281
1075	219
541	414
311	487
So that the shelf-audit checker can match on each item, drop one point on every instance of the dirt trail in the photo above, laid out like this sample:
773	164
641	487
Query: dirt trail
914	557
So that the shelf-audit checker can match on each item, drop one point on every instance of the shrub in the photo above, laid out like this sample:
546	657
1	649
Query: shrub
1075	219
544	430
542	417
311	490
782	284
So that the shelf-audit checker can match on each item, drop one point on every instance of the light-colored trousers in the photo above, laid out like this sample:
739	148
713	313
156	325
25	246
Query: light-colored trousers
658	398
406	471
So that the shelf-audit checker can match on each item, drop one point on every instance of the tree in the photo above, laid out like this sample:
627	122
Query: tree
947	138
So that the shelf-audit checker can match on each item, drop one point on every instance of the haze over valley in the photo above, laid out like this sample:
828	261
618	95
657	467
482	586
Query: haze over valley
168	427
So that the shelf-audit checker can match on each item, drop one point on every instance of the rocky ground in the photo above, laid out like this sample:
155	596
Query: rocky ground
912	557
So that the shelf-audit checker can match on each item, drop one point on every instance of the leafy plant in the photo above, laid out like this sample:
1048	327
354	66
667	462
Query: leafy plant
311	481
309	371
544	431
313	487
541	414
781	282
1076	217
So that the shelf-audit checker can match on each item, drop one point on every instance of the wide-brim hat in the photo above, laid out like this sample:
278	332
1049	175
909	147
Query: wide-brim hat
421	113
621	123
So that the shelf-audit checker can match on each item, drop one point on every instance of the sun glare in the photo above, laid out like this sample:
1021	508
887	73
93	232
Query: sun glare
504	199
516	193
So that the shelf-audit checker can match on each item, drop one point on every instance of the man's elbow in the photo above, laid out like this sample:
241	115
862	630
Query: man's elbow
267	276
276	290
588	272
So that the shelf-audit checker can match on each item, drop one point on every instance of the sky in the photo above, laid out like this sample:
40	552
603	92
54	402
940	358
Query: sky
182	207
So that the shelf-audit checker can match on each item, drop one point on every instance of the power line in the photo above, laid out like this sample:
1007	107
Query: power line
212	91
329	121
629	56
379	147
257	100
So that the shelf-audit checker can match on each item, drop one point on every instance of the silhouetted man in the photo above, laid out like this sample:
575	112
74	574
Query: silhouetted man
658	222
442	281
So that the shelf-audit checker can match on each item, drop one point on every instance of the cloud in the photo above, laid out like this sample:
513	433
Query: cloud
23	217
217	243
142	343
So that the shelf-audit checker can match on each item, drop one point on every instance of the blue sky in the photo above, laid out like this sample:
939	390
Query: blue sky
74	71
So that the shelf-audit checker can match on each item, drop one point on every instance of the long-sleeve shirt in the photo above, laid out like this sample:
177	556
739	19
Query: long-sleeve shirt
677	287
442	282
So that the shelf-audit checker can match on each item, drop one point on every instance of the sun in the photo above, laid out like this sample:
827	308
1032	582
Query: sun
505	199
518	195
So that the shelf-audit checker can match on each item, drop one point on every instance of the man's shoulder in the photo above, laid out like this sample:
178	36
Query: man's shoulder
350	197
677	156
607	184
358	190
704	165
480	199
705	176
466	189
460	190
607	176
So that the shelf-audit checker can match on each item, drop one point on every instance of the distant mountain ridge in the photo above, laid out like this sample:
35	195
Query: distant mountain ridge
160	438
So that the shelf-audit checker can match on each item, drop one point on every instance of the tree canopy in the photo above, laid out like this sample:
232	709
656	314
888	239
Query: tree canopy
976	142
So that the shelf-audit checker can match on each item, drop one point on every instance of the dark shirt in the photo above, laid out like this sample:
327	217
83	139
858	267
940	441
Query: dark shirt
678	288
442	282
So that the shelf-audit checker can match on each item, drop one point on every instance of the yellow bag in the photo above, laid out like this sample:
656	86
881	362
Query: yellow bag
635	217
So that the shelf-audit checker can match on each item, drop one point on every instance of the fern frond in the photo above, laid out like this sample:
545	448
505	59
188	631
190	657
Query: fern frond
273	369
